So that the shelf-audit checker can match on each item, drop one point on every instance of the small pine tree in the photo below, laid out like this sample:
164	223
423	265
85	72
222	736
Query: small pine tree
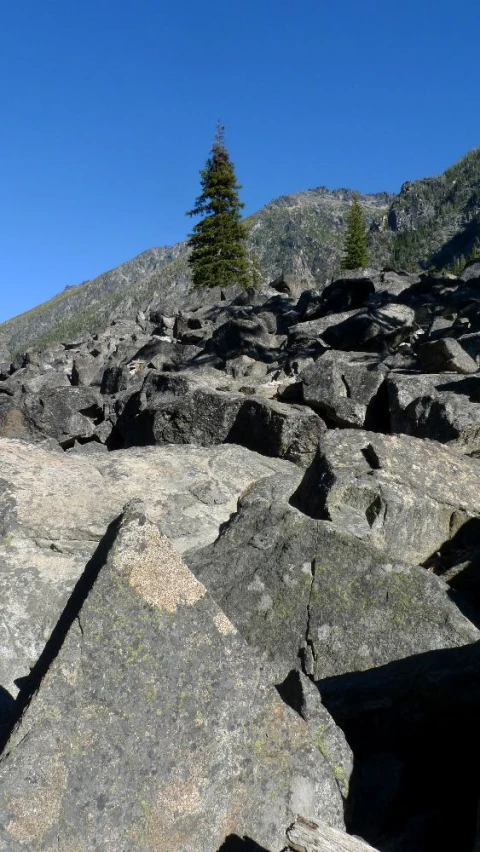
475	251
255	272
218	240
458	265
355	245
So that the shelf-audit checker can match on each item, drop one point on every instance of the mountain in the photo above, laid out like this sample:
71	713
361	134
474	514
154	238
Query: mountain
437	220
89	306
431	222
301	235
298	235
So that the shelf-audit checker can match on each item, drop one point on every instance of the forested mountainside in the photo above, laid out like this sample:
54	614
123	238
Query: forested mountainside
434	222
437	220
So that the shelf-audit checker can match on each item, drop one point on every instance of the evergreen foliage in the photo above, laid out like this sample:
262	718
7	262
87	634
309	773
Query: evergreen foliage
412	249
218	240
355	245
460	261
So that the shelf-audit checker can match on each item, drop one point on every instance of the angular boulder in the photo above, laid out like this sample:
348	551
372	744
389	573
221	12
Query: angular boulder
403	495
313	330
311	594
437	406
54	508
372	330
241	337
273	428
344	388
151	727
445	355
346	294
188	408
65	413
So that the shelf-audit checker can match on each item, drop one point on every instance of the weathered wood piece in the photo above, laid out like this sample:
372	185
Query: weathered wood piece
312	836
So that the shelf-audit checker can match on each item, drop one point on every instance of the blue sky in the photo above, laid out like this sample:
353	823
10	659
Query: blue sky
108	111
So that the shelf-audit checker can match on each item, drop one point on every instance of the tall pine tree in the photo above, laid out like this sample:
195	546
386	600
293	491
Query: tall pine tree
218	240
355	245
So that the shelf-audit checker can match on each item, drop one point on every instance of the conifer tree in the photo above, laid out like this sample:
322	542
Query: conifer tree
255	271
218	240
355	245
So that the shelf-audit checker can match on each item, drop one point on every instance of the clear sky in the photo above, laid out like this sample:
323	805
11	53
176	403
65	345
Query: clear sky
108	109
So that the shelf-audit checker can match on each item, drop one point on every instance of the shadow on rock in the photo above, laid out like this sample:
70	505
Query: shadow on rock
234	843
458	564
29	684
7	703
466	387
413	728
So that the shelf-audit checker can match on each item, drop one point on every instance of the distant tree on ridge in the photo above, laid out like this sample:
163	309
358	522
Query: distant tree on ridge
355	244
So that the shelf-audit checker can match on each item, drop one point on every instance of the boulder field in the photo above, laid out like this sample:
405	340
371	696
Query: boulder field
240	575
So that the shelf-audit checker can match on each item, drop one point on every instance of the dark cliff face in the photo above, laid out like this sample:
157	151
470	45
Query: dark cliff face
436	220
431	222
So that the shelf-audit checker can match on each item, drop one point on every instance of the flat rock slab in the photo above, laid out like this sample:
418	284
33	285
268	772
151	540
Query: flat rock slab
54	508
152	728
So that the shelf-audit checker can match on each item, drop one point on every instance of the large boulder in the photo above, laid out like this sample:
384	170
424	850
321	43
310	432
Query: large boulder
178	409
372	330
14	422
471	344
310	593
402	495
162	350
152	728
313	330
87	370
54	508
353	290
436	406
189	408
344	388
39	383
346	294
445	355
471	273
273	428
65	413
241	336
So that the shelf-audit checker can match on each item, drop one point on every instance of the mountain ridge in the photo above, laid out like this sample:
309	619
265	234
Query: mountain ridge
430	222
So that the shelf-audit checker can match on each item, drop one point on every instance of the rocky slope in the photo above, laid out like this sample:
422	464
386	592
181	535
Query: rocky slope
298	235
430	223
437	219
89	306
240	555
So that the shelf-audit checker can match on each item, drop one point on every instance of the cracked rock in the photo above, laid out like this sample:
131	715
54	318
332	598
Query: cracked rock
359	608
143	732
